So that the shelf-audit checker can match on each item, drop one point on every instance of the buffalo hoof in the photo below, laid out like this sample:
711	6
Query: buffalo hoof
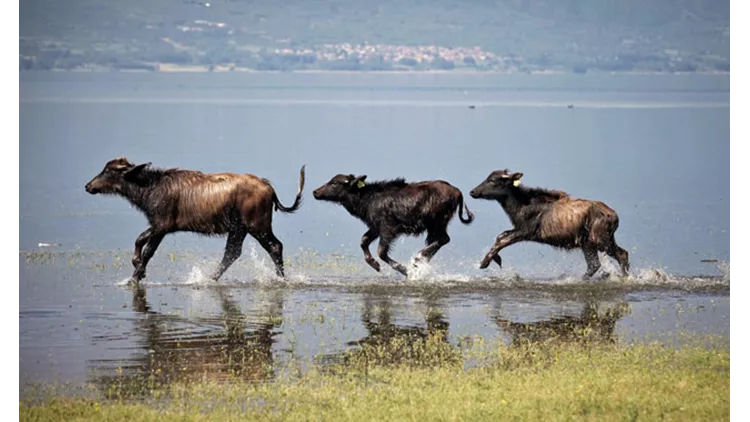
419	260
374	264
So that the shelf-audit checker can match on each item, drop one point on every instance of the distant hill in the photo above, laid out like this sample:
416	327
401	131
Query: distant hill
518	35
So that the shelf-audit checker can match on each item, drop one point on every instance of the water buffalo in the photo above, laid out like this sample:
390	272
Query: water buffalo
176	200
394	207
553	218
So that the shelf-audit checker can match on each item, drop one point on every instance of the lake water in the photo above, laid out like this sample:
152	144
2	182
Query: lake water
654	148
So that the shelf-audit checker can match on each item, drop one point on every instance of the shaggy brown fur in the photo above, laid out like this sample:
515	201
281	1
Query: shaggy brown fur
553	218
394	207
175	200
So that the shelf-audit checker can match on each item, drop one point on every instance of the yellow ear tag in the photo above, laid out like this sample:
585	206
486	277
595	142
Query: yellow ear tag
361	184
516	183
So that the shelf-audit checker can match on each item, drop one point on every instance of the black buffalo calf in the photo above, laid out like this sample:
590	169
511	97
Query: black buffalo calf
394	207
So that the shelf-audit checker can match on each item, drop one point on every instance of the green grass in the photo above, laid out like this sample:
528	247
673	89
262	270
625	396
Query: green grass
551	382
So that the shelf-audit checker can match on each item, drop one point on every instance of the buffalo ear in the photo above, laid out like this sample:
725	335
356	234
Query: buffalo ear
516	177
133	174
359	181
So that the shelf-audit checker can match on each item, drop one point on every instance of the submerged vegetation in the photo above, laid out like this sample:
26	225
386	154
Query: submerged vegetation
533	381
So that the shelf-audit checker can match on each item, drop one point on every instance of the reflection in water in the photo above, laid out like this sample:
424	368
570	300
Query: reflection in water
588	327
377	318
390	344
177	349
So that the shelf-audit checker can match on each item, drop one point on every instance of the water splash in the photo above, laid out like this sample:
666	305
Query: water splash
432	274
723	268
255	269
125	282
197	276
261	269
609	266
650	275
420	270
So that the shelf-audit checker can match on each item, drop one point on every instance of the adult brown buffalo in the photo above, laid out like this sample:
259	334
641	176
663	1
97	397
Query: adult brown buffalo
176	200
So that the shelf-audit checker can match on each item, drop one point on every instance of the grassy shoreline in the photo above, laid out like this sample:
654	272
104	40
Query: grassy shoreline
573	381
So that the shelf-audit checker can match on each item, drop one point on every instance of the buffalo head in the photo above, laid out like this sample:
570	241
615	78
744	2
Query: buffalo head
115	174
339	187
497	185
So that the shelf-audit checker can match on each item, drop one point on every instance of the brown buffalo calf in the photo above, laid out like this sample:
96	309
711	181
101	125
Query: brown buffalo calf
552	218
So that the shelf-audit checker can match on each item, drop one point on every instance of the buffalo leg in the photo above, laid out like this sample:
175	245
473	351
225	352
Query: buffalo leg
592	261
434	242
498	260
275	249
621	255
383	247
503	240
367	239
139	242
232	251
152	243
